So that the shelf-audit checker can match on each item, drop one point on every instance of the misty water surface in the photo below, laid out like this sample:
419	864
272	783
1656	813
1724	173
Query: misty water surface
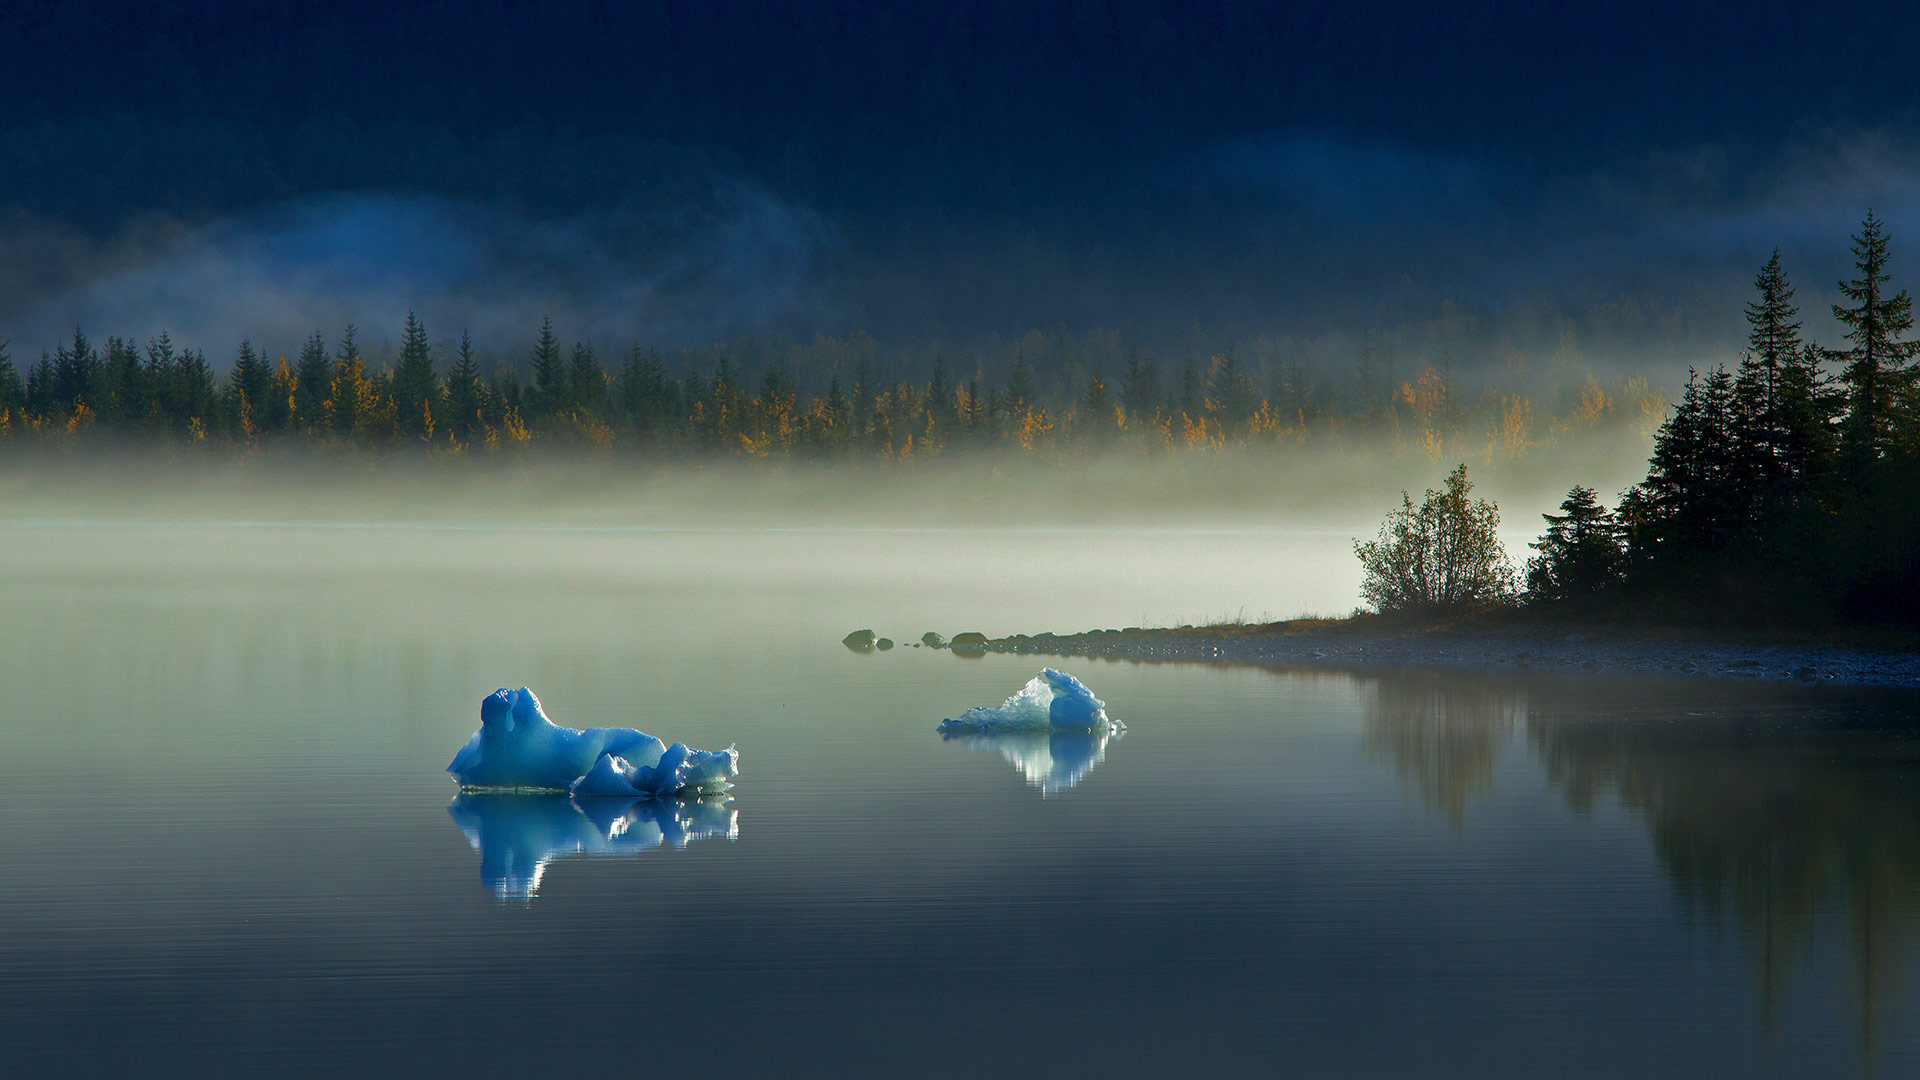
230	845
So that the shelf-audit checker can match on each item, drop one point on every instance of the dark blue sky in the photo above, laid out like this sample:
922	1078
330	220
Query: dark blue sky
949	169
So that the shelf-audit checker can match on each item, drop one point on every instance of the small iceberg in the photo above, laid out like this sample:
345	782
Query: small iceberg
1053	761
519	836
518	749
1054	701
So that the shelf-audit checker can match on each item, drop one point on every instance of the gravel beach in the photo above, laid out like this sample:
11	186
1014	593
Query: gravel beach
1361	644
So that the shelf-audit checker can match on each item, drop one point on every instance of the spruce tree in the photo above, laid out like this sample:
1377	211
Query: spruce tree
1020	393
41	393
586	381
1692	501
121	392
1230	394
1140	389
1809	405
75	372
311	379
838	415
163	383
862	398
278	415
347	385
1580	556
939	394
193	382
415	389
548	394
1760	390
1192	393
641	389
1098	407
463	390
13	393
1877	371
246	394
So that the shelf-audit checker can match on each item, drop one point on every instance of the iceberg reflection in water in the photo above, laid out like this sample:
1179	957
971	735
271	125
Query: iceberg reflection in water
1052	761
517	836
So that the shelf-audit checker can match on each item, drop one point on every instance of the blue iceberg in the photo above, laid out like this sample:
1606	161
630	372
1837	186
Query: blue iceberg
519	836
1052	701
518	749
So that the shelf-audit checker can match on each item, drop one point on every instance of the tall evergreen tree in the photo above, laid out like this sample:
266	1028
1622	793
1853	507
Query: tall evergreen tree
1580	556
42	392
1809	405
939	393
75	373
1877	370
1020	392
121	393
1230	394
1692	502
196	396
549	393
727	401
862	397
1761	389
164	408
586	381
13	393
1192	399
1140	388
347	387
641	389
1098	408
416	392
247	390
311	380
838	416
278	414
976	417
463	390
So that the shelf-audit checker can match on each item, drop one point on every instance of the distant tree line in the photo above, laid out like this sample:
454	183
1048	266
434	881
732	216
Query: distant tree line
1787	490
447	399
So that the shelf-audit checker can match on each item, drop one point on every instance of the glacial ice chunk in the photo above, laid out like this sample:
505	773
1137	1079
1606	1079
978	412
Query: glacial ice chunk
519	835
1053	700
518	749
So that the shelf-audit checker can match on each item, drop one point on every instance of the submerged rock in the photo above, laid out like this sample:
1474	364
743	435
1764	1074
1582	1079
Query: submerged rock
859	640
883	644
932	640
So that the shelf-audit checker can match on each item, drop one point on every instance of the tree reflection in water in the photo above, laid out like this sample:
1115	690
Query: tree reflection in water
1767	815
1442	732
1773	811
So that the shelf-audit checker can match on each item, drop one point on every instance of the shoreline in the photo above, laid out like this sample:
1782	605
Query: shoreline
1368	642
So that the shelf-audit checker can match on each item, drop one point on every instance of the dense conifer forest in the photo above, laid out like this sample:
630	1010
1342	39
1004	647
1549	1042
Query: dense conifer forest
1784	490
836	399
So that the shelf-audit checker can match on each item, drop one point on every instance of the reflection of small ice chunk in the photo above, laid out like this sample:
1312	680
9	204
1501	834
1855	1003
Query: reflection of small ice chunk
1052	761
517	747
1054	699
518	836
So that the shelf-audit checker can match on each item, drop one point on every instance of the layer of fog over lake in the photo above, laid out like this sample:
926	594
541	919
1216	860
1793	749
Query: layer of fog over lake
233	689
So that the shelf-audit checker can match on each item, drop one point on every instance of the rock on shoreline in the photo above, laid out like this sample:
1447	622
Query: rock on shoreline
1516	649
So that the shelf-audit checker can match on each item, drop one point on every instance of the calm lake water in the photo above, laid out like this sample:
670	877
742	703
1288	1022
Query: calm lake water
229	845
